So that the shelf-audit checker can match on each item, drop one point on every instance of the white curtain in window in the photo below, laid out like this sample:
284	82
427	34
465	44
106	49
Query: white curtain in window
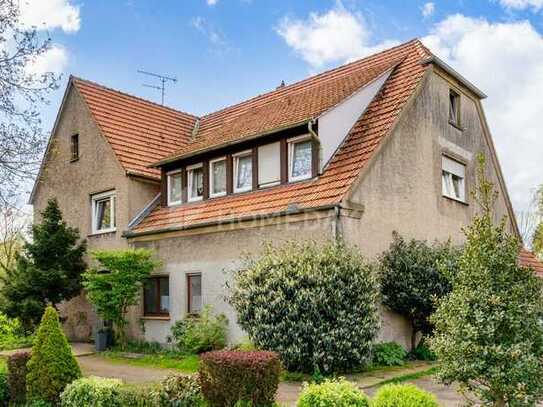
301	159
197	182
244	177
219	177
175	187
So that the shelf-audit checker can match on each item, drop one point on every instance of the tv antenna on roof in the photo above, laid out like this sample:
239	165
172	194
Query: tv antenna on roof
163	79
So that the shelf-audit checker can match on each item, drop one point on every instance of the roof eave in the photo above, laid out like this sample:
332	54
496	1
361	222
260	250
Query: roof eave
451	71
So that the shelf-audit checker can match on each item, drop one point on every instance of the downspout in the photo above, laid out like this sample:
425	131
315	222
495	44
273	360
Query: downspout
310	124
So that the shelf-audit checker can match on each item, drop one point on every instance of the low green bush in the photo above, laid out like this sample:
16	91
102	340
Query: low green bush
38	403
423	352
132	396
403	395
201	333
92	391
17	370
179	391
389	354
4	389
332	393
227	377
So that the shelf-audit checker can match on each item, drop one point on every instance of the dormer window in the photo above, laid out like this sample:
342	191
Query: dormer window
174	187
300	158
195	176
243	171
454	108
217	174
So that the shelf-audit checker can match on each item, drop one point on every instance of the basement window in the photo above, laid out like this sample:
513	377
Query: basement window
195	175
103	212
217	174
300	153
74	147
174	187
454	108
156	296
243	171
453	177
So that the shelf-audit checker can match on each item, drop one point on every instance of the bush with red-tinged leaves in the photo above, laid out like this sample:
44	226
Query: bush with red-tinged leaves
227	377
17	376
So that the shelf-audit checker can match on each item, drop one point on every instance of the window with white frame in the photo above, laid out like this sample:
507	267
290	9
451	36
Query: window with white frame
243	171
174	187
195	176
103	212
300	158
217	177
453	177
454	107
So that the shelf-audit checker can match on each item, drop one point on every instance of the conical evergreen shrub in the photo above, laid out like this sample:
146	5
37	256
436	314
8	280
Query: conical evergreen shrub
52	365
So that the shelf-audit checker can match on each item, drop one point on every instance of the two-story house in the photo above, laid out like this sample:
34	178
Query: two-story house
386	143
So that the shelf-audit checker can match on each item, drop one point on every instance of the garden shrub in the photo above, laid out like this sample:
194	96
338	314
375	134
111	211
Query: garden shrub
403	395
92	391
201	333
38	403
332	393
17	371
227	377
4	389
314	304
179	391
423	352
389	354
131	396
52	365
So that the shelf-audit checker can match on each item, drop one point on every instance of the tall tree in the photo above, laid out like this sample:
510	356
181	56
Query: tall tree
13	222
537	241
488	334
48	270
22	91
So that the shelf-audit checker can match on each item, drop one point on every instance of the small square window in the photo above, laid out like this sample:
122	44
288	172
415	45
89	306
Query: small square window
217	173
243	172
453	176
174	187
156	296
300	159
194	293
454	108
195	175
74	147
103	212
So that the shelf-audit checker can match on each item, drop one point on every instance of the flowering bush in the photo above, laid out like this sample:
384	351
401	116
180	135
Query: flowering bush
403	395
332	393
314	304
227	377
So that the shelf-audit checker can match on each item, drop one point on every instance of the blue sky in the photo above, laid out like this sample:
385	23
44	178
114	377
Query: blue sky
224	51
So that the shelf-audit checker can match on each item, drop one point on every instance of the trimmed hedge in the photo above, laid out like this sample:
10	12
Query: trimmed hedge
92	391
403	395
17	371
332	393
227	377
52	365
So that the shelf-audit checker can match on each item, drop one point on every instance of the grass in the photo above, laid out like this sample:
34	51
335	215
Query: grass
409	377
183	363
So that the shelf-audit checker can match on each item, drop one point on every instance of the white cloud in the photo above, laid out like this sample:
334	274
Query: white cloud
337	35
54	60
50	14
428	9
207	29
212	2
536	5
506	61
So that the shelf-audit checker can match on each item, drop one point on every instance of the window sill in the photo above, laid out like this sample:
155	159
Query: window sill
73	160
456	200
155	318
103	233
456	126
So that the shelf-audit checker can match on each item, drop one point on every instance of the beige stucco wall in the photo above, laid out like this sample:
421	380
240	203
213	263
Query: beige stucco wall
401	189
73	183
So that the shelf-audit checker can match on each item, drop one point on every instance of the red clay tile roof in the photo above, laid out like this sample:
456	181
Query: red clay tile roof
140	132
529	259
344	168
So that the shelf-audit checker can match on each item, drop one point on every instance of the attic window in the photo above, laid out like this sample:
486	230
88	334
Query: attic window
74	147
174	187
454	108
243	171
453	177
195	175
103	212
300	157
217	177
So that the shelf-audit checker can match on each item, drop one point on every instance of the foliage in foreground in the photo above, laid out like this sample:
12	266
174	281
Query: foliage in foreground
52	365
227	377
179	391
403	395
332	393
489	336
92	391
388	354
114	290
48	270
202	333
411	281
314	304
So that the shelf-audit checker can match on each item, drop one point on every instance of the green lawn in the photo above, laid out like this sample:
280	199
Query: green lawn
183	363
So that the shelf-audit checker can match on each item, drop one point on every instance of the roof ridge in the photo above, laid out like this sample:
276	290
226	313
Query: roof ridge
99	85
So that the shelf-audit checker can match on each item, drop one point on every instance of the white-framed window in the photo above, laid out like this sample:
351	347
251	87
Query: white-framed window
195	178
217	177
269	165
300	153
453	178
243	171
103	212
174	187
454	107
